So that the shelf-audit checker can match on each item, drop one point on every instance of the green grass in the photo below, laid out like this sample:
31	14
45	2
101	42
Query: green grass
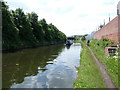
89	75
110	63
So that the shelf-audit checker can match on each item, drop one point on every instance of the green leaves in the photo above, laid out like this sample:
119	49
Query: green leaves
9	32
21	30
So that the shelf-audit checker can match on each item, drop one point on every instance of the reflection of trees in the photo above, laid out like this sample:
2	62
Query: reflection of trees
16	66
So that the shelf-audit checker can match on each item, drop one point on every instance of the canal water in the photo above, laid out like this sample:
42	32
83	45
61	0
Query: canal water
43	67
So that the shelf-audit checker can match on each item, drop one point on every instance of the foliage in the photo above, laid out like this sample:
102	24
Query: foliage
10	31
101	26
25	30
103	42
110	63
83	37
37	28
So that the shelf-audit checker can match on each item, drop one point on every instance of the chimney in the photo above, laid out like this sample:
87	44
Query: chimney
109	17
118	8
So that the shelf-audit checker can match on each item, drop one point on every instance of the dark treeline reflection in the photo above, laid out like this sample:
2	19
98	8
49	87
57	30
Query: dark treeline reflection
16	66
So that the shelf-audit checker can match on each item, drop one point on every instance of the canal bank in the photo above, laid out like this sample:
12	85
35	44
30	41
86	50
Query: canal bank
30	47
110	63
88	77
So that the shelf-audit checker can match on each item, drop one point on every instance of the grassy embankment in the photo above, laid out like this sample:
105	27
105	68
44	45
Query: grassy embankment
89	75
110	63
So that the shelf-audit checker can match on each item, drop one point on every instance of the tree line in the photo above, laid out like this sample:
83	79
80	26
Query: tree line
25	30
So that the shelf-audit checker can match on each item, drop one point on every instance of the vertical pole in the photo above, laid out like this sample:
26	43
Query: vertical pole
0	45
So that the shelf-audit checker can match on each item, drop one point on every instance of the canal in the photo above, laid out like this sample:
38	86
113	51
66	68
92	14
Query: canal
44	67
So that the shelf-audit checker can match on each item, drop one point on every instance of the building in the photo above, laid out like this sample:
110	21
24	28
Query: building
111	30
90	36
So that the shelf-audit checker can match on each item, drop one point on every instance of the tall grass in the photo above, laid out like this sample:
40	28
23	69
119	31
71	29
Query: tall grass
89	75
109	62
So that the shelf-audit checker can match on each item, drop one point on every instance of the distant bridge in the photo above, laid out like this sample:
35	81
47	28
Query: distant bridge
71	38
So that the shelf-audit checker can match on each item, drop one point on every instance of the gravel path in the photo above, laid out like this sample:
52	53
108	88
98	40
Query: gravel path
105	75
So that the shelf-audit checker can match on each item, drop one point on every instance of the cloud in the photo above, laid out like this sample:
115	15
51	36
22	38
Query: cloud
70	16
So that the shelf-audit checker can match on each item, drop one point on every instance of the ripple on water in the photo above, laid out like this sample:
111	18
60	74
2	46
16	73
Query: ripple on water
59	73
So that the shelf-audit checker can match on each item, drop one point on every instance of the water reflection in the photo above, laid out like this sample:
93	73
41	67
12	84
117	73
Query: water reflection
68	46
51	67
58	76
24	63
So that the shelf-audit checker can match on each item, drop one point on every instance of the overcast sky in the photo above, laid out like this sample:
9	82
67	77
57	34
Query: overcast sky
73	17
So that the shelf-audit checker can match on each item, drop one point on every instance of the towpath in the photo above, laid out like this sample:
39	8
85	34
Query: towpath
105	75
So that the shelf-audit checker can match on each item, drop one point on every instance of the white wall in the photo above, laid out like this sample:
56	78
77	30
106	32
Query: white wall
90	36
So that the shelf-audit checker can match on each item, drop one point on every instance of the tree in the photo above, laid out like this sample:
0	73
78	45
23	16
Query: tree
9	30
25	30
83	37
37	28
56	35
21	30
101	26
46	30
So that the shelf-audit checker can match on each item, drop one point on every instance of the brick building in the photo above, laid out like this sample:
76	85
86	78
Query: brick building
110	31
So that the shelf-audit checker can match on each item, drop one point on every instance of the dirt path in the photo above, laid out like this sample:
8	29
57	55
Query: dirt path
106	77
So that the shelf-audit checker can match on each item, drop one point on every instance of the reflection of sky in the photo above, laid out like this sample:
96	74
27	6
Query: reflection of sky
70	57
60	74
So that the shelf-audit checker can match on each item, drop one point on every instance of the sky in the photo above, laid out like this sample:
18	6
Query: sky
72	17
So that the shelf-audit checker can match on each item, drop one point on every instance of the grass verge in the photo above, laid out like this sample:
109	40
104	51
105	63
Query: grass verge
110	63
89	75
